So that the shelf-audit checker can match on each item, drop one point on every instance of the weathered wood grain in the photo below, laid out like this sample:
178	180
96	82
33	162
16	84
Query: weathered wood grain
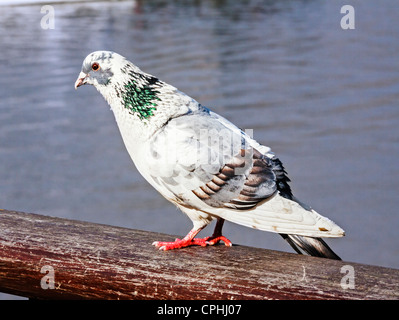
93	261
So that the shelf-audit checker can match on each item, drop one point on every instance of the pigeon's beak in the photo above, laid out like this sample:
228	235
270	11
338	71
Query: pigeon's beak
81	80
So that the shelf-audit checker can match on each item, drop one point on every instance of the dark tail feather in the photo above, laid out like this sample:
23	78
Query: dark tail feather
312	246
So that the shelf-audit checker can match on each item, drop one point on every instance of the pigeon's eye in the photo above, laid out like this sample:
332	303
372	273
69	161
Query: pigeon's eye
95	66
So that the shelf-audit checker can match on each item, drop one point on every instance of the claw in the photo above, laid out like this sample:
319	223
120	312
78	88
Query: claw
214	240
203	242
189	239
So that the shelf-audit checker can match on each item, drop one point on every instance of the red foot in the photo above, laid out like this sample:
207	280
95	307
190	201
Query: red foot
182	243
216	239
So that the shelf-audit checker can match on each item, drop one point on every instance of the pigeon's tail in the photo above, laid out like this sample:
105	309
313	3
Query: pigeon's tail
312	246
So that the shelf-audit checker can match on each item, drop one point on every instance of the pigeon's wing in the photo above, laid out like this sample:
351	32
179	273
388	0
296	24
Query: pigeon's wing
197	157
204	162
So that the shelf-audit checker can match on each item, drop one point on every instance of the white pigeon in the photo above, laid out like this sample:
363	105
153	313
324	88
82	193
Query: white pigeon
201	162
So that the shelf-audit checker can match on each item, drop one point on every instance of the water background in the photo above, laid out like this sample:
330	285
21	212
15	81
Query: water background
325	99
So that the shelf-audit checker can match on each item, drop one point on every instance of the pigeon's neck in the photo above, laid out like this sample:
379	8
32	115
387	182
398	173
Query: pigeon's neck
142	104
139	94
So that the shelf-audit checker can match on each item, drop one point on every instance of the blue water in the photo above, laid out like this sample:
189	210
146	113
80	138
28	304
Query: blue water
325	100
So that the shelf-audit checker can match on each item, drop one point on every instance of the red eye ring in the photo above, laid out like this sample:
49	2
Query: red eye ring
95	66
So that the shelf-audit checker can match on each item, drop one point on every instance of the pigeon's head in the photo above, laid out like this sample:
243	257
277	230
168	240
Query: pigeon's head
99	68
121	83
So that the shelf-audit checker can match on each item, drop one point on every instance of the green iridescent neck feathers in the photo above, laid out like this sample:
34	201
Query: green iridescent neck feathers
139	96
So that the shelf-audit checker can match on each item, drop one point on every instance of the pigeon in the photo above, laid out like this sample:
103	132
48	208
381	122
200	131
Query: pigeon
201	162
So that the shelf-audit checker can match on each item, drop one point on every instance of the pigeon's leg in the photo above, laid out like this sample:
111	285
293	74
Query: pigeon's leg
189	239
217	235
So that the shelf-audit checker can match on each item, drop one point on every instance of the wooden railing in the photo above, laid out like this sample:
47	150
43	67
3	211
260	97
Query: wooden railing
45	257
